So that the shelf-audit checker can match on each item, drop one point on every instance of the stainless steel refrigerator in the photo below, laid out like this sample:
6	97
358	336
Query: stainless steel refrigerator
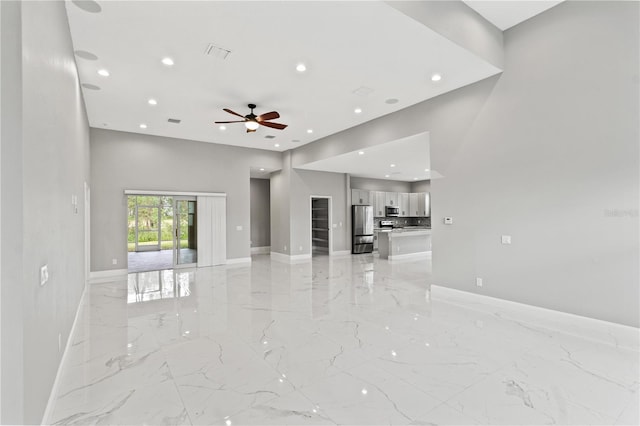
362	226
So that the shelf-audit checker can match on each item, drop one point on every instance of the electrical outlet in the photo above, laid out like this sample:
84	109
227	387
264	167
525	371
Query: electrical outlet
448	221
478	282
114	261
506	239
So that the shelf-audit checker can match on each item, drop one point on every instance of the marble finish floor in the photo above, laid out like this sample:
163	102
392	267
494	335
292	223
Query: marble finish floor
350	340
144	261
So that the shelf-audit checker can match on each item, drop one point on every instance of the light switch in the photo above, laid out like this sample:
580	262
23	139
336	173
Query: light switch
506	239
239	228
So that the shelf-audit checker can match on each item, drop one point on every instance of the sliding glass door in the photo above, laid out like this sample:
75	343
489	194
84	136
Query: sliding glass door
185	222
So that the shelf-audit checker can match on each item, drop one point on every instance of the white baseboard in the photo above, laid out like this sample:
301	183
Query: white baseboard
48	412
341	253
609	333
425	254
238	260
107	276
261	250
281	257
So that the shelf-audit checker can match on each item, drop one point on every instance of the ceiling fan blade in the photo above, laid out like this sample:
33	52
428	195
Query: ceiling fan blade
268	116
231	112
250	131
273	125
225	122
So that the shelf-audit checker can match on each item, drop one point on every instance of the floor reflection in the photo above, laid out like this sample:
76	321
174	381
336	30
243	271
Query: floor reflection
157	285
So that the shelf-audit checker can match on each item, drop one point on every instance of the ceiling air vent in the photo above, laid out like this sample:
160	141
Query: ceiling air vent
174	121
218	52
269	137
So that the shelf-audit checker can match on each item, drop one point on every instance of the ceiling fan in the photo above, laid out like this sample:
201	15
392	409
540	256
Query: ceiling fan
252	121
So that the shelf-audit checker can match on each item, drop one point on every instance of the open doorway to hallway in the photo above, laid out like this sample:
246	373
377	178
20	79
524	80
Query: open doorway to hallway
162	232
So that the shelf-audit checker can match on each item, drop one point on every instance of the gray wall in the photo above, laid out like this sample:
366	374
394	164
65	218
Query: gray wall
547	153
54	167
11	292
291	191
306	183
260	212
421	186
459	23
280	208
379	185
121	160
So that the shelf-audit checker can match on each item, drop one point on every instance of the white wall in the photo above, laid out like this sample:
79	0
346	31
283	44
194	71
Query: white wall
547	153
260	213
121	160
49	155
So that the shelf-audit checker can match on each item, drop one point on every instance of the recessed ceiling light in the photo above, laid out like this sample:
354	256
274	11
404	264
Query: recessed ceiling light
262	169
167	61
143	126
301	67
103	73
276	145
309	131
357	110
436	77
426	170
386	175
415	178
360	152
222	128
152	102
392	165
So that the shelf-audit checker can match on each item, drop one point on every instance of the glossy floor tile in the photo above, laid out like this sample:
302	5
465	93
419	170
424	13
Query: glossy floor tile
350	340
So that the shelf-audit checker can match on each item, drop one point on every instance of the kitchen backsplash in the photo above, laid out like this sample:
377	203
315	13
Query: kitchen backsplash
404	221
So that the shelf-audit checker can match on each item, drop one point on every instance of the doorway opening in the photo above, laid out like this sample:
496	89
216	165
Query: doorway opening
320	225
162	232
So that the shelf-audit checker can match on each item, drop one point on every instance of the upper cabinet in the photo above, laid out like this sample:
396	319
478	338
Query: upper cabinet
424	204
378	202
410	205
360	197
391	199
403	203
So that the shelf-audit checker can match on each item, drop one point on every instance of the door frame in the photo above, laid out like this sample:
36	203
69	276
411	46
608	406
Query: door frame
330	223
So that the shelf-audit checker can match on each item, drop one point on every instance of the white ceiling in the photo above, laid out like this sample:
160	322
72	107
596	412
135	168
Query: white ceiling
504	14
345	45
410	157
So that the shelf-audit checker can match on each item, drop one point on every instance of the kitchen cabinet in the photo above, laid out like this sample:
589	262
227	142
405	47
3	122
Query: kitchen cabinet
360	197
403	203
424	204
378	202
414	210
391	199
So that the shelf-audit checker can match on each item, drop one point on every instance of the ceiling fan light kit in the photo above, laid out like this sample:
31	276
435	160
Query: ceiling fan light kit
252	122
